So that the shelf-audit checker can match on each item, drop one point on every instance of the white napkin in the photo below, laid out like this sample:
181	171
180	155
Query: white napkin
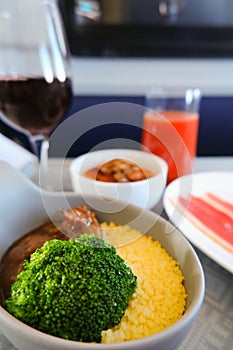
17	156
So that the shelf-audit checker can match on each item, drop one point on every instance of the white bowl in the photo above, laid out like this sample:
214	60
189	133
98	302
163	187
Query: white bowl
24	206
144	193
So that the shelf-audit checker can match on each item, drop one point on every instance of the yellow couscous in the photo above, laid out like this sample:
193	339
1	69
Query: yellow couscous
160	298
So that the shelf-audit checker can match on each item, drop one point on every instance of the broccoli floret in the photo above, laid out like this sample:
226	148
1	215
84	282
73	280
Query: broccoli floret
73	289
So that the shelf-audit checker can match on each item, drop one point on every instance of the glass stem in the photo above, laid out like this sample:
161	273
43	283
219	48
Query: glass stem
40	145
44	149
44	170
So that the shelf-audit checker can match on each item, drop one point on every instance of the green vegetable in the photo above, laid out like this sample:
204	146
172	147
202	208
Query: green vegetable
73	289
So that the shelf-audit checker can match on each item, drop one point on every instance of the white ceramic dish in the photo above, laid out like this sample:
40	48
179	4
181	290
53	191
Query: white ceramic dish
18	156
145	193
24	206
216	182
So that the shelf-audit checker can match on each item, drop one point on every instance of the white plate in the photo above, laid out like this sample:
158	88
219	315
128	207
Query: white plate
219	183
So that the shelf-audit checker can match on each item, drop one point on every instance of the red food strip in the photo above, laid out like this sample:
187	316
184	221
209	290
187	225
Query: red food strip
221	201
214	219
212	211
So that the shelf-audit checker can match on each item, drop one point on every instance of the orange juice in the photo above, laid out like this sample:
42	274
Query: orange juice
172	135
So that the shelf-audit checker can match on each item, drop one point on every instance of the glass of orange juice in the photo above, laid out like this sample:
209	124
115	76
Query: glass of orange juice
170	127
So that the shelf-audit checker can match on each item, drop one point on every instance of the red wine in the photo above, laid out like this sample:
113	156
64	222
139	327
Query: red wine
33	103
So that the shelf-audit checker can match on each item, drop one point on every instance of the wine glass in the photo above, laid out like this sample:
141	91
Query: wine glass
35	70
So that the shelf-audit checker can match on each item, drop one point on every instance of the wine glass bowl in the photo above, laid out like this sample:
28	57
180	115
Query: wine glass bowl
35	71
44	102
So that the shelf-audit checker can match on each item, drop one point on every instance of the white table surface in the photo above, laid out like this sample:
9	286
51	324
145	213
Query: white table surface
213	327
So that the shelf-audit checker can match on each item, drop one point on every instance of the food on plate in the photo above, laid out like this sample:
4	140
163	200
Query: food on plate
72	224
73	289
118	170
160	297
90	290
80	220
211	213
